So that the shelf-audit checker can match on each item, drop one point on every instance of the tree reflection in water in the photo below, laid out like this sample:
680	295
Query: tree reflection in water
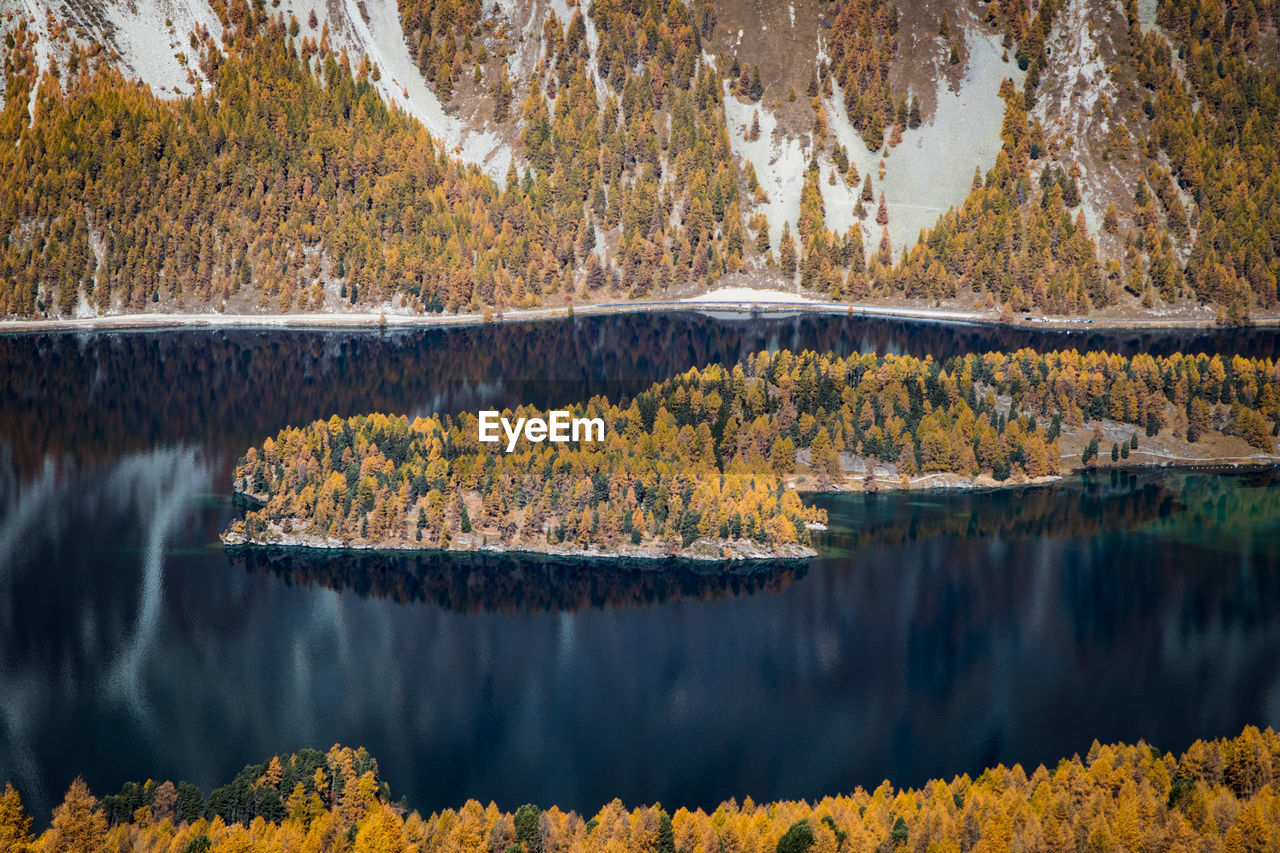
471	583
95	396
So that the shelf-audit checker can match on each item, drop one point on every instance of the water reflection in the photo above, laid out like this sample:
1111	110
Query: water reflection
470	583
935	634
72	626
162	485
1075	508
1156	620
91	397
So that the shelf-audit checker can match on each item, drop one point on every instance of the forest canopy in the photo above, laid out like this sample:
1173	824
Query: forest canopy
1218	795
289	184
705	463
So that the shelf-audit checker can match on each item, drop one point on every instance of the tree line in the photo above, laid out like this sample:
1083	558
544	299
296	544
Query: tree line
1218	795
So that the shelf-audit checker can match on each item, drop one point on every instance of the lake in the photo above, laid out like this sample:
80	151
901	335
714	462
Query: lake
935	634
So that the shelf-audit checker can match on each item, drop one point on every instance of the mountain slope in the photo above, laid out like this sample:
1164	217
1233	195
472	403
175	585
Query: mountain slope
673	145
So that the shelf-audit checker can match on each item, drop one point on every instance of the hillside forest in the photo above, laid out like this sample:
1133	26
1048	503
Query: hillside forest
287	184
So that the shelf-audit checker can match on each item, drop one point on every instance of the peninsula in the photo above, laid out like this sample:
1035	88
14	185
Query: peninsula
710	464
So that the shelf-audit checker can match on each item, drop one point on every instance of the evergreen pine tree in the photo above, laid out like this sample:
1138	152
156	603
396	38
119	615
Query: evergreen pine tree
787	252
757	88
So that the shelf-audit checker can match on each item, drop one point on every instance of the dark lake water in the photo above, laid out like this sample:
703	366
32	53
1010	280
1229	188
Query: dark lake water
936	634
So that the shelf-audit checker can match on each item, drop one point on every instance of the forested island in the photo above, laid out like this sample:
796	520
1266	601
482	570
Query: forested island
1218	795
710	463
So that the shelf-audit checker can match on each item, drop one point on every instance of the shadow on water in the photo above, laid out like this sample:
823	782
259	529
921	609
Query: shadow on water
472	583
1074	507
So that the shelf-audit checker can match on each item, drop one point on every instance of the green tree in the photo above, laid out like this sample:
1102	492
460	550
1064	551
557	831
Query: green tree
528	826
898	835
1090	451
756	91
797	839
666	842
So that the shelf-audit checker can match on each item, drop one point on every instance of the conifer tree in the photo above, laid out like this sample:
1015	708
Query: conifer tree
757	88
15	825
78	826
787	252
886	249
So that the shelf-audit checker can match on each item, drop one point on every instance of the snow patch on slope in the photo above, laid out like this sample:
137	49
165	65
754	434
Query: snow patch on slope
780	163
932	170
1077	61
838	201
562	10
150	40
745	297
43	47
527	43
1147	13
1082	81
155	50
382	40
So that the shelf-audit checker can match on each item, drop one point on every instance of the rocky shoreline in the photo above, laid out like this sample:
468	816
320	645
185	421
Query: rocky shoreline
703	550
763	302
700	550
938	481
